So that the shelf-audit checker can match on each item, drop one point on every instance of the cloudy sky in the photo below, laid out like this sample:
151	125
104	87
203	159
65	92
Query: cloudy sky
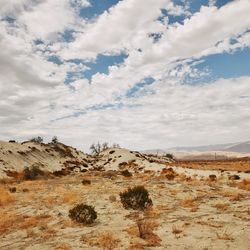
142	73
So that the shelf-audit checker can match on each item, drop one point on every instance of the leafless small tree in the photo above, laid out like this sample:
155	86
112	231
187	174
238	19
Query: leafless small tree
37	139
98	148
54	140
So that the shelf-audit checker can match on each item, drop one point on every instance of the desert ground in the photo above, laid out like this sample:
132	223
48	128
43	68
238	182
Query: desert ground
195	205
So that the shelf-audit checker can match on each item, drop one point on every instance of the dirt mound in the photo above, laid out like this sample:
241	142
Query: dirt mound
14	157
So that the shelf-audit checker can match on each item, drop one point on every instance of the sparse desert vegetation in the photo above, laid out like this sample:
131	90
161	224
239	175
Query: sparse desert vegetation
123	200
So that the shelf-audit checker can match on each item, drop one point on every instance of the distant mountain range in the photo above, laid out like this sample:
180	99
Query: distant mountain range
238	147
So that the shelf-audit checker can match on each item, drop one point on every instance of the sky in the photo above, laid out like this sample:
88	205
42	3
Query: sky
145	74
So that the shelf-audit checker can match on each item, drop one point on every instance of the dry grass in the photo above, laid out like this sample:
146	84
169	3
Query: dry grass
224	236
237	164
112	198
63	246
244	184
6	197
70	197
210	224
10	221
221	206
50	200
7	221
33	221
181	177
36	185
188	202
176	230
4	181
151	213
173	192
236	197
65	196
57	196
106	241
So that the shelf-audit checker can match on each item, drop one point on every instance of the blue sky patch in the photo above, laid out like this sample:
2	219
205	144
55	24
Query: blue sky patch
139	87
55	59
194	6
97	8
171	18
68	36
102	63
228	65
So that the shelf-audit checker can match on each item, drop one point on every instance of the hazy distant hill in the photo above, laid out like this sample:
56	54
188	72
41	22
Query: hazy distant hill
238	147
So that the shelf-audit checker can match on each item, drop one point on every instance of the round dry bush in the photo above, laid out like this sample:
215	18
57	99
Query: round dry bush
126	173
83	213
136	198
86	182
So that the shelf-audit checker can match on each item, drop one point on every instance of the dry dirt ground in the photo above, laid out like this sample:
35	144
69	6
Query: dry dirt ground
187	213
236	164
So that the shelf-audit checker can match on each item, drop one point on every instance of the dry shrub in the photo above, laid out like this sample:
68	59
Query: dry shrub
169	173
212	177
170	177
126	173
144	229
6	197
221	206
86	182
234	177
136	198
83	213
12	189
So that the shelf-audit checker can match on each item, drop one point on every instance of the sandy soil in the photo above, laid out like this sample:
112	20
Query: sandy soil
49	157
187	213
